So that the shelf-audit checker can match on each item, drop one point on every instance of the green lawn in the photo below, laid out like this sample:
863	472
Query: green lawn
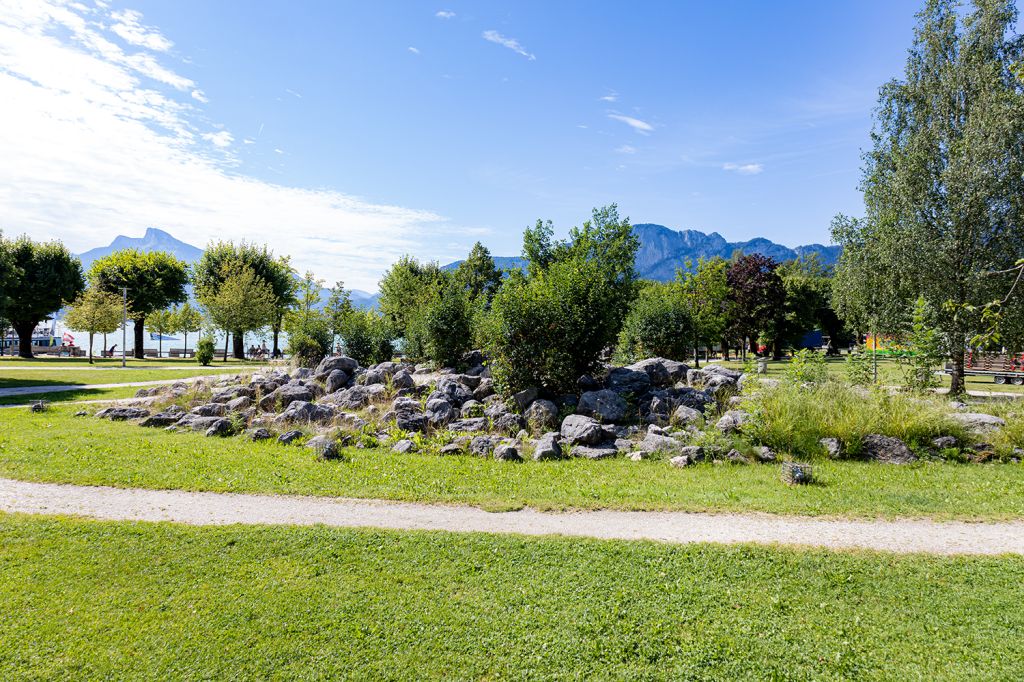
152	363
889	374
31	377
99	600
58	447
71	396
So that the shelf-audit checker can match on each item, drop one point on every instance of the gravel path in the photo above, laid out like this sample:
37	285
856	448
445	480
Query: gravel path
900	536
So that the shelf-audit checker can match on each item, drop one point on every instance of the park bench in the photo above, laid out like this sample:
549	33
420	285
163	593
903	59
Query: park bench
182	352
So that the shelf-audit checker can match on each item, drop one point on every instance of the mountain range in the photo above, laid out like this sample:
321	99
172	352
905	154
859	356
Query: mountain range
662	251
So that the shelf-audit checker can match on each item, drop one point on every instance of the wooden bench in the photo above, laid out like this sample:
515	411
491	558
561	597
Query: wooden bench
182	353
150	353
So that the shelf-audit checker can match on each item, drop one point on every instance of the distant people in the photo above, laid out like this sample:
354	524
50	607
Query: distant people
110	353
251	352
264	351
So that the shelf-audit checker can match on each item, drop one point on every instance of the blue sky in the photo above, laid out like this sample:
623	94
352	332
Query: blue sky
349	133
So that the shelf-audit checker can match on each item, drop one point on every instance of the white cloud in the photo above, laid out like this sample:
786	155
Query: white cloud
743	168
612	96
199	96
626	149
128	26
413	50
642	127
444	14
293	93
510	43
104	148
221	139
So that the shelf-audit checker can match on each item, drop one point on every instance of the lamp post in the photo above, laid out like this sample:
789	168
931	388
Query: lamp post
124	326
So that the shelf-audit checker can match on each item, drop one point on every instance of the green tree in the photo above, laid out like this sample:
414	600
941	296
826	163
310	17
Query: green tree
368	337
704	292
944	180
658	325
478	274
339	306
756	299
155	280
96	312
925	350
161	322
43	277
222	260
442	328
550	326
243	302
405	287
187	320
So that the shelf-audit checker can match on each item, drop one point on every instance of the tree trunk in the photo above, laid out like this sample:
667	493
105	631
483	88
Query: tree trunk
103	351
238	347
277	331
140	325
90	347
159	345
752	345
776	350
227	337
184	351
956	377
24	329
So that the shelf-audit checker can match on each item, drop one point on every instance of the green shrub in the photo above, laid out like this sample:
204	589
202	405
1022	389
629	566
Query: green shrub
858	369
442	329
792	418
305	351
368	337
204	351
658	325
807	366
924	352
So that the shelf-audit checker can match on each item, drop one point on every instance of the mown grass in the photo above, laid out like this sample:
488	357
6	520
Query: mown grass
28	377
91	600
152	363
58	397
57	447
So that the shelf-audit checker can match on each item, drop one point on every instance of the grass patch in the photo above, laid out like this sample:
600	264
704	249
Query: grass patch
28	377
71	396
57	447
99	600
111	363
792	418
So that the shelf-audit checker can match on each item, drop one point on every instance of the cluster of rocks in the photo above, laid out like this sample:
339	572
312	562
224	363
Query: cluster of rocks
655	408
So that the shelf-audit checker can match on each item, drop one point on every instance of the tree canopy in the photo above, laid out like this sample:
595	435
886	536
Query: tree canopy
155	280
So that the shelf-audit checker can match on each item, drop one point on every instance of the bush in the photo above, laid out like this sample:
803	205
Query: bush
859	371
204	351
305	351
442	331
368	337
658	325
793	418
807	366
550	329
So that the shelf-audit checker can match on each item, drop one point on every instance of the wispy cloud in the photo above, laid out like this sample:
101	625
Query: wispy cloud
743	168
642	127
444	14
510	43
104	148
412	49
626	149
612	96
221	139
293	93
128	26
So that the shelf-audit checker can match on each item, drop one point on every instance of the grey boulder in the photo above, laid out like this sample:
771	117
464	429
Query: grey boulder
605	405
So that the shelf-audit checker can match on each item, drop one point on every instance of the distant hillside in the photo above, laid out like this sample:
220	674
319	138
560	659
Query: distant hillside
663	250
153	240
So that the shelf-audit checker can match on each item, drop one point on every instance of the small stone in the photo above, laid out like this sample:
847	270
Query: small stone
680	461
507	453
260	434
547	447
324	447
832	446
288	437
404	446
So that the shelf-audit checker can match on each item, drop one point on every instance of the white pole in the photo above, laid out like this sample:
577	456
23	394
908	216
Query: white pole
124	326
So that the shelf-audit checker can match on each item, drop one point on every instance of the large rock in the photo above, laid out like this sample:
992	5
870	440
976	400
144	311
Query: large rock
119	414
328	365
625	381
210	410
355	397
221	427
524	397
664	445
404	446
470	425
196	422
284	396
289	437
402	379
325	447
507	452
886	449
165	418
336	380
439	412
547	447
578	429
605	405
484	390
593	451
508	422
542	415
303	412
660	371
484	445
451	390
978	421
732	421
242	402
684	415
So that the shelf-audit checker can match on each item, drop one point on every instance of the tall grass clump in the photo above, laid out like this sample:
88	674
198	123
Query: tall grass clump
793	417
